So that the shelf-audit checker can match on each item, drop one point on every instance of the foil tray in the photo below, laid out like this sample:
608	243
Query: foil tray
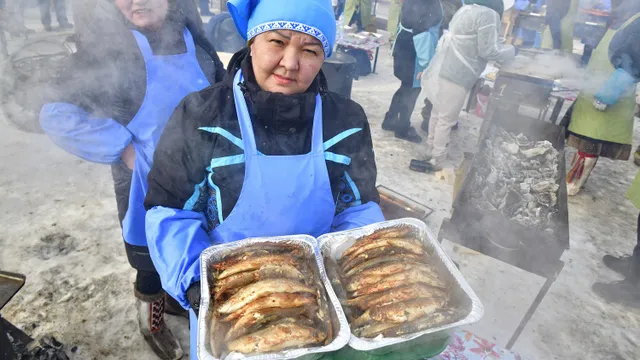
333	245
216	253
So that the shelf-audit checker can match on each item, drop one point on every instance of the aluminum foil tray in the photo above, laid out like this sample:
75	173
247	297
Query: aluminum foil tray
216	253
333	245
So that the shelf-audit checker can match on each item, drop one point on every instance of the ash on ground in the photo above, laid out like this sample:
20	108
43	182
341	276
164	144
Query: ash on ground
518	178
46	348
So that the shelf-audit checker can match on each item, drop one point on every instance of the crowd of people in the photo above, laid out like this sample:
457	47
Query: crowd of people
197	151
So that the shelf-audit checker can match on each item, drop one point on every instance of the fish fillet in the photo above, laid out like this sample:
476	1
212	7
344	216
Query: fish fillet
375	275
274	300
249	322
404	278
400	312
248	277
410	245
276	338
384	233
260	289
257	262
346	266
382	260
404	293
443	317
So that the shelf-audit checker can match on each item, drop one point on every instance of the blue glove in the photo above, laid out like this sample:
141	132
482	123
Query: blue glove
619	82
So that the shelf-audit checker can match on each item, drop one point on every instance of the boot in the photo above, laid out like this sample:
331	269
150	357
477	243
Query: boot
581	167
153	328
636	156
410	135
172	307
622	265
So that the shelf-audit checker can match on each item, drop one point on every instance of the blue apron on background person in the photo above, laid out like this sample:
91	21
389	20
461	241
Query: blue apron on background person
281	195
169	79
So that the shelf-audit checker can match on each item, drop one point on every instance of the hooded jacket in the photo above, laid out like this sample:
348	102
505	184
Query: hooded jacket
177	200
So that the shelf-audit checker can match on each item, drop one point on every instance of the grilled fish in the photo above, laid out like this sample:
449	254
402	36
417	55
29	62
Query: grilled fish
401	312
384	233
248	277
346	266
412	276
250	322
404	293
260	289
375	275
254	263
274	300
410	245
382	260
276	338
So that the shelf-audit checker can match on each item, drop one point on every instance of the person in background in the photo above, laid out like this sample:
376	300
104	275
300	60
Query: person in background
559	20
61	14
359	12
460	59
393	19
626	291
269	151
204	8
135	62
12	18
415	45
601	120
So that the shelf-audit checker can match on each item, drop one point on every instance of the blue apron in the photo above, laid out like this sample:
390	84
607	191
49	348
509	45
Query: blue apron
281	195
169	79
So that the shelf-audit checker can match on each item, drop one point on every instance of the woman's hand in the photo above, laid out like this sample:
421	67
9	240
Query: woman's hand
419	76
128	156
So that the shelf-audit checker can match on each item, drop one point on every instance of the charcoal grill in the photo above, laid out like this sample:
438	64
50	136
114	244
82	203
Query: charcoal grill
493	234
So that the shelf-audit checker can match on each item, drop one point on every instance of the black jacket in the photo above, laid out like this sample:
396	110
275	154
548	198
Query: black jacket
282	126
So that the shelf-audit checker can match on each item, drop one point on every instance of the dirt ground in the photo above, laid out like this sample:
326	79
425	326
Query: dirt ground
59	227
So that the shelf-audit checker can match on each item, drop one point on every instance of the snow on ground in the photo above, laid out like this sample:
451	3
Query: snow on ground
59	227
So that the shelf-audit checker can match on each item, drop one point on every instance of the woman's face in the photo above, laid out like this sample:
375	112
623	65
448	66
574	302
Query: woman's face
286	61
144	14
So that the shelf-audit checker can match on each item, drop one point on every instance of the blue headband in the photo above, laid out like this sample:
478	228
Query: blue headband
311	17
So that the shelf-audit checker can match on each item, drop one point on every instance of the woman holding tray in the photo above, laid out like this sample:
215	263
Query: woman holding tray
269	151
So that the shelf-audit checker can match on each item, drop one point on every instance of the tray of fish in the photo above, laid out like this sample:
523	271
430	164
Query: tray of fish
268	298
396	284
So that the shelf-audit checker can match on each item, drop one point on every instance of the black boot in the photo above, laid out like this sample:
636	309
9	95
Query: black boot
390	122
409	135
152	326
425	125
172	307
621	265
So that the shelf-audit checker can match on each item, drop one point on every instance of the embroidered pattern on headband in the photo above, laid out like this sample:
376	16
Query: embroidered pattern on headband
291	25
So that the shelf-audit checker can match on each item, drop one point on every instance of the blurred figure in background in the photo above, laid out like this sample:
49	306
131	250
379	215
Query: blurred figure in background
460	59
560	20
395	7
359	12
204	8
135	62
601	120
415	45
61	14
12	18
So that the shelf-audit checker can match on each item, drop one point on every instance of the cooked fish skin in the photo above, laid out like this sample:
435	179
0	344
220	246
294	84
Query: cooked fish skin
346	266
265	272
403	293
394	232
404	278
381	260
259	250
250	322
274	300
375	275
257	262
400	312
260	289
373	329
410	245
276	338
